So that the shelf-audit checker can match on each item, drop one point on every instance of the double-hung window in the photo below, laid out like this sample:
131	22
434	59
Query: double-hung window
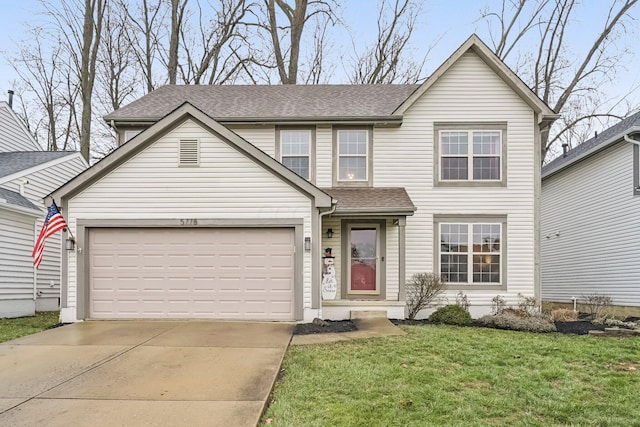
353	156
470	155
471	253
295	151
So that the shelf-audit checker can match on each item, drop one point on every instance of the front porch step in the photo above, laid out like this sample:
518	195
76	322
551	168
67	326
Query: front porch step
368	314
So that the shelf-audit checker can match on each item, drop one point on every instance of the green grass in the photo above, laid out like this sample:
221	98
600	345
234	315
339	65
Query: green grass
449	376
11	329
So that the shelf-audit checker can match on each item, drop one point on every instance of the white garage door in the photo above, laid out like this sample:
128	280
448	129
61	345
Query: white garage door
214	273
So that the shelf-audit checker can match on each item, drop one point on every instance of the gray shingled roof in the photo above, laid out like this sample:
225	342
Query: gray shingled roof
594	144
16	199
270	102
17	161
365	200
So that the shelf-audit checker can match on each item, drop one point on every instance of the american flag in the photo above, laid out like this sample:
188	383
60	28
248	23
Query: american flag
53	223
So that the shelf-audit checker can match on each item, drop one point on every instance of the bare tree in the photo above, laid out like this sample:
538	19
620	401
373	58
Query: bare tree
91	34
145	25
569	83
115	72
48	89
287	52
177	15
217	50
387	60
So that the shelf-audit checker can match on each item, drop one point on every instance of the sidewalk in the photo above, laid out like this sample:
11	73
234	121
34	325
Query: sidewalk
367	328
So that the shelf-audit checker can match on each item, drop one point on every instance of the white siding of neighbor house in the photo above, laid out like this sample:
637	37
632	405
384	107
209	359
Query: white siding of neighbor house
41	183
226	185
14	135
16	266
592	206
403	157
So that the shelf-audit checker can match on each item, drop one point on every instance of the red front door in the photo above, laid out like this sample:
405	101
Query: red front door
364	259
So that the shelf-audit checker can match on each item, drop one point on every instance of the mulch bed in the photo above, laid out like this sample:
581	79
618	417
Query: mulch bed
580	327
328	326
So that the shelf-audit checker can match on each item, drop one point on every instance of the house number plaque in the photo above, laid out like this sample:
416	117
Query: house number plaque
190	221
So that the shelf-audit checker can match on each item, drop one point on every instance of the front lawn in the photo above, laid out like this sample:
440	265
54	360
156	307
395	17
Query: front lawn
11	329
443	375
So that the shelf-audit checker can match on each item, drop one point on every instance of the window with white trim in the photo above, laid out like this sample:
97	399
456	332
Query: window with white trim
470	155
471	253
353	152
295	151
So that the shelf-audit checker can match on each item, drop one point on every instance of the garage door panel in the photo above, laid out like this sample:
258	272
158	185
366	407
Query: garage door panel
192	273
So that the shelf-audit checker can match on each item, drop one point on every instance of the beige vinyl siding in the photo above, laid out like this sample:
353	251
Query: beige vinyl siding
16	265
324	156
592	206
14	135
469	92
263	136
226	185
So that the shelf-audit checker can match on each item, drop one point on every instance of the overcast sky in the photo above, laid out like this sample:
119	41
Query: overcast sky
452	20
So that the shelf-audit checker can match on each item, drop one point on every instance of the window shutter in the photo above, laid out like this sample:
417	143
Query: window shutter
189	152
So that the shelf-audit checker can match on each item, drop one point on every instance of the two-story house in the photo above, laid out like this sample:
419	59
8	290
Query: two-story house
27	175
221	201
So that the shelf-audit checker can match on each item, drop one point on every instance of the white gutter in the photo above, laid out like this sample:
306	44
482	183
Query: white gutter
633	141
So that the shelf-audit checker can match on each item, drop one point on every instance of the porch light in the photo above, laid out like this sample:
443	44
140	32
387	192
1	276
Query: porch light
307	244
70	244
329	233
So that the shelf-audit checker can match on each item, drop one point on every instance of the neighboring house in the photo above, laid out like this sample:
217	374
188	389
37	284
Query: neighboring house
221	200
27	175
591	219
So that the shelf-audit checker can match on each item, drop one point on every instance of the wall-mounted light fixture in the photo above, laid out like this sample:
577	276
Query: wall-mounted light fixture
307	244
70	244
329	233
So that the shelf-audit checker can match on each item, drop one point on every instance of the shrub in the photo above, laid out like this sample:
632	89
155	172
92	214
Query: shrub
451	315
422	289
498	304
535	323
564	315
462	300
527	304
596	304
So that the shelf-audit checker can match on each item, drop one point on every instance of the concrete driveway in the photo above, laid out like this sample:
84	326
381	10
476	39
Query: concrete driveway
133	373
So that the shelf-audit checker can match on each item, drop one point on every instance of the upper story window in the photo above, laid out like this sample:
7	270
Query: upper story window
471	253
470	154
296	150
353	161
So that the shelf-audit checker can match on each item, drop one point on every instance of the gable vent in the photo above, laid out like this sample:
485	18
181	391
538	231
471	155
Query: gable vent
189	152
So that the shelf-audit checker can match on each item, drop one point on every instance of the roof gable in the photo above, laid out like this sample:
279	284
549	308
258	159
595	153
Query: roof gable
477	46
14	135
185	112
594	145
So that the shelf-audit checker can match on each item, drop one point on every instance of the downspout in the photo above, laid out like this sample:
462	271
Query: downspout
334	204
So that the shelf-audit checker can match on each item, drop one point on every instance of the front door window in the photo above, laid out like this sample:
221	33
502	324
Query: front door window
364	260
